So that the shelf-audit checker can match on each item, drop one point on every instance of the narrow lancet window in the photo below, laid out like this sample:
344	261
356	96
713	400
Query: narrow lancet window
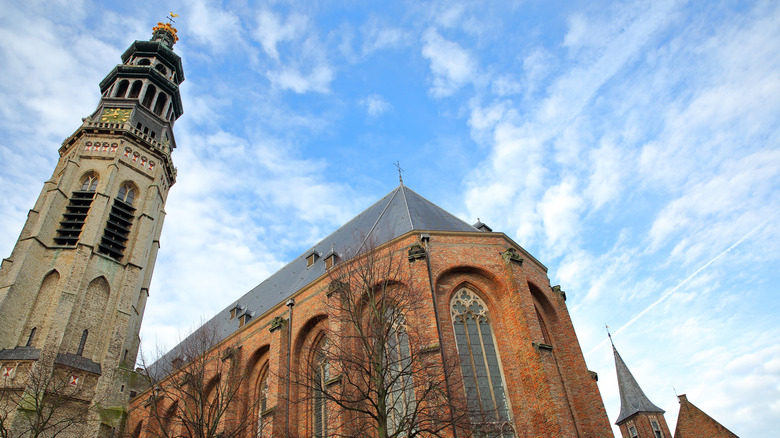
31	338
262	405
401	404
83	342
320	378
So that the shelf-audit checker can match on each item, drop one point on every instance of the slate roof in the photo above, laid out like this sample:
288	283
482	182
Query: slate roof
397	213
632	399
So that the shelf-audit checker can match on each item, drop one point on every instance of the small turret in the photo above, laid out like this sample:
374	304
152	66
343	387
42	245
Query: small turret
639	417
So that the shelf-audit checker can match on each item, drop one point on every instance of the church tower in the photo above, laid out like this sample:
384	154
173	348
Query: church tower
73	291
639	417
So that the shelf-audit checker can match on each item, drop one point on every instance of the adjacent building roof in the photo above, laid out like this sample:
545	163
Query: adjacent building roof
399	212
632	398
692	422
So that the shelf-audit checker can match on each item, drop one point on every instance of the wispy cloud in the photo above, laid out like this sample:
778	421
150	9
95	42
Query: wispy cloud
375	105
451	65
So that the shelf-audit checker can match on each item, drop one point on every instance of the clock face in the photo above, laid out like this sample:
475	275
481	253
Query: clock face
115	115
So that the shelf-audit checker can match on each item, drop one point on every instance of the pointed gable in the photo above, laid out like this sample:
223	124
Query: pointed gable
692	422
632	398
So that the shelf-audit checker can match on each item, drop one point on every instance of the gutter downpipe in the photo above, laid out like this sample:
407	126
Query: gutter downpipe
425	237
290	304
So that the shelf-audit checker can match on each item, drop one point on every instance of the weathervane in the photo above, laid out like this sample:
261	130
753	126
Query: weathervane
609	334
171	17
397	164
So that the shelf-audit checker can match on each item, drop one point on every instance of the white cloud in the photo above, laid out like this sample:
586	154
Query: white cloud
375	105
451	65
317	79
560	208
271	30
379	36
211	25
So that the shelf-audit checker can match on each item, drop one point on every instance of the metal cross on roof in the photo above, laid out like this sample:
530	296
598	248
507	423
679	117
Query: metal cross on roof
397	164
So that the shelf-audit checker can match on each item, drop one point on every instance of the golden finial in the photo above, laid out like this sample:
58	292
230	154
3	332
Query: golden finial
168	27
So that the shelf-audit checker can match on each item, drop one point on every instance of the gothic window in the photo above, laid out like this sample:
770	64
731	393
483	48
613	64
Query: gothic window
89	184
76	212
320	376
135	91
479	364
262	403
632	432
401	403
126	194
118	225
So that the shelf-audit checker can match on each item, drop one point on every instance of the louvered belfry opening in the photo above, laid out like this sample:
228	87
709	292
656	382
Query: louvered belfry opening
74	218
117	229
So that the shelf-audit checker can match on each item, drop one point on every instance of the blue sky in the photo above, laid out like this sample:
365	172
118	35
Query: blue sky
631	147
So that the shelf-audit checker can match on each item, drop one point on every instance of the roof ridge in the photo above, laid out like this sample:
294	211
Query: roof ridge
406	202
371	230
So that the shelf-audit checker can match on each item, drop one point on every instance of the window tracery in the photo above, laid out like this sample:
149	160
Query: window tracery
480	366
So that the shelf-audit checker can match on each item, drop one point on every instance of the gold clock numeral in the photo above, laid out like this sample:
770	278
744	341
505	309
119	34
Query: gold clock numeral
115	115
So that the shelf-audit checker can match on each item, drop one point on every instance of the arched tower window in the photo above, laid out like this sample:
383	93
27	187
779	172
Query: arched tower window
320	376
162	99
76	211
161	68
135	91
122	88
151	91
120	219
479	364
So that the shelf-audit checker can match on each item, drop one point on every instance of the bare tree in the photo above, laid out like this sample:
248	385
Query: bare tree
380	371
197	390
37	402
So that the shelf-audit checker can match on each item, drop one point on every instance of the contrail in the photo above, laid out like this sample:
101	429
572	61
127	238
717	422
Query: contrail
681	284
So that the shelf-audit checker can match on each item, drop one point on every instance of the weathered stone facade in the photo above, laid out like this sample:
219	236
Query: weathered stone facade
73	291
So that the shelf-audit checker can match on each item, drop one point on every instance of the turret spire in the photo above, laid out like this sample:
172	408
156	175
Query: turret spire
632	399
